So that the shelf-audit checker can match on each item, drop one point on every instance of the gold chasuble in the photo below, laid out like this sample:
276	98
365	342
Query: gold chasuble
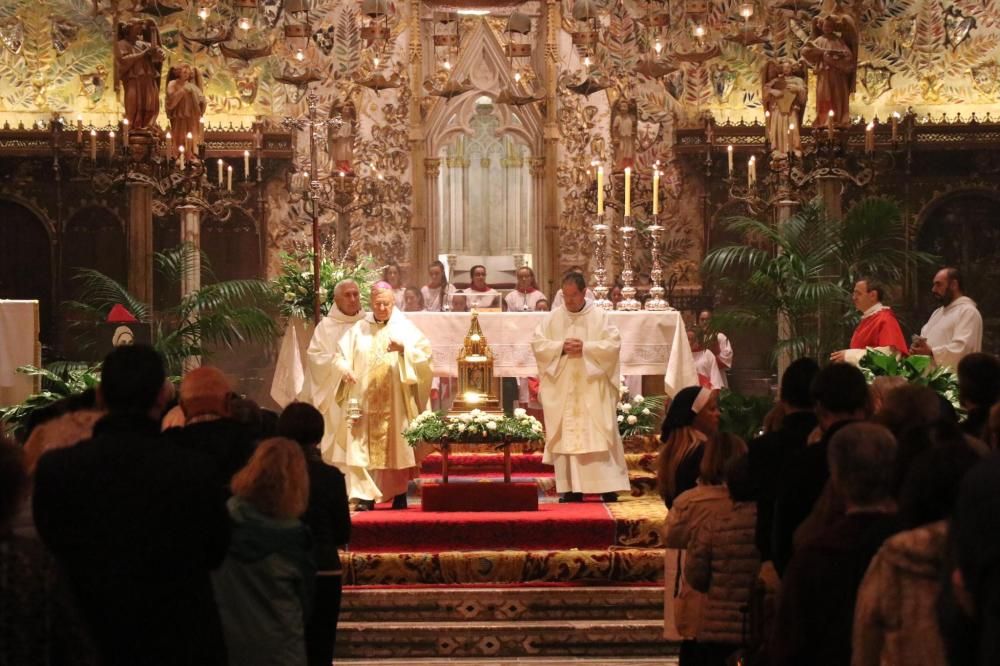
391	388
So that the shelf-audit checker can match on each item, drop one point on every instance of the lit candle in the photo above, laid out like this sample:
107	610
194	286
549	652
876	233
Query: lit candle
170	145
751	172
729	155
220	172
870	138
628	191
246	164
189	143
895	125
180	159
600	190
229	178
829	123
111	144
125	131
656	191
93	145
79	129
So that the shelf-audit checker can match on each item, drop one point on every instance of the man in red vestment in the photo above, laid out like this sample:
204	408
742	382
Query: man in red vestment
878	327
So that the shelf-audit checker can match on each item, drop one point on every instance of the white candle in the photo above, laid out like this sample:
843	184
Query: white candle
220	172
600	190
180	159
870	138
229	178
729	155
111	144
189	143
246	164
628	191
751	171
93	145
895	125
656	191
829	123
125	131
170	145
79	129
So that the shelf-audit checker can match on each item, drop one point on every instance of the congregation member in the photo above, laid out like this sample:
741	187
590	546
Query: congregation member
322	374
205	400
718	344
383	362
816	607
394	276
705	363
955	329
577	351
438	292
557	299
136	525
328	518
691	420
265	585
978	390
480	295
413	300
878	327
526	295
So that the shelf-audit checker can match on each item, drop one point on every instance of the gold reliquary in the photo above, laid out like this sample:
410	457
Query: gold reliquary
476	386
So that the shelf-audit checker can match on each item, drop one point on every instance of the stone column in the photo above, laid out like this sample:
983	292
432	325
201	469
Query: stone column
191	235
420	244
549	251
140	241
439	235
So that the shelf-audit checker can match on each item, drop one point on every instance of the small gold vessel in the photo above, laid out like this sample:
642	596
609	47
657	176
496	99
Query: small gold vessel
477	388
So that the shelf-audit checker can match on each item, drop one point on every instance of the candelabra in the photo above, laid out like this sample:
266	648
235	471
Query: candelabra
600	239
628	302
656	302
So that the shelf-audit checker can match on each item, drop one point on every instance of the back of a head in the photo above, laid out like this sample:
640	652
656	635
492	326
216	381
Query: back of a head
862	458
909	407
205	390
796	382
931	485
131	379
840	388
739	480
881	386
719	451
245	411
680	413
13	481
301	422
275	481
979	379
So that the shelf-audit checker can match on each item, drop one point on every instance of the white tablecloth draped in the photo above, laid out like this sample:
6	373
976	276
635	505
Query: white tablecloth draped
18	346
653	343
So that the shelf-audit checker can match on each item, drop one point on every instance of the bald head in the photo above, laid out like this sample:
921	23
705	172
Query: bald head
347	296
205	390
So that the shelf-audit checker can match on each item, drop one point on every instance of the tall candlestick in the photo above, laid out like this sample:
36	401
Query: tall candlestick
656	191
628	191
125	131
246	164
229	177
180	159
220	173
111	144
79	130
93	145
729	155
600	190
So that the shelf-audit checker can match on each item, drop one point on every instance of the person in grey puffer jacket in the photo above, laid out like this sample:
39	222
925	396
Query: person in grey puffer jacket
723	562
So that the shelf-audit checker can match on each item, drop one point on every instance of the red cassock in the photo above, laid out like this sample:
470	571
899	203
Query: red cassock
879	330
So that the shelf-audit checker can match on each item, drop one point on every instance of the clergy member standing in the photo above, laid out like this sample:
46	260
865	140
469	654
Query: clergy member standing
878	327
955	329
385	364
577	352
322	375
720	347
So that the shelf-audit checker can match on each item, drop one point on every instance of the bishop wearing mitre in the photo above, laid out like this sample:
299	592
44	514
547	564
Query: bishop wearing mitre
322	376
577	352
384	368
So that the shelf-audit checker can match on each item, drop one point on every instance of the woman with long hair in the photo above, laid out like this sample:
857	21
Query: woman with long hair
692	418
264	588
437	292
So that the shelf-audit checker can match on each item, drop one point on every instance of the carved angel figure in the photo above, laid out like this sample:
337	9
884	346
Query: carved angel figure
186	103
784	93
138	63
833	53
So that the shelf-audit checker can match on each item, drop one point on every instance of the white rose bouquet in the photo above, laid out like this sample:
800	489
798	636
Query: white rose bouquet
639	415
474	426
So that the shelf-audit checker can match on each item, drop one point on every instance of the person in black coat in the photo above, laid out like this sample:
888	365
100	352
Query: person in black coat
136	525
328	516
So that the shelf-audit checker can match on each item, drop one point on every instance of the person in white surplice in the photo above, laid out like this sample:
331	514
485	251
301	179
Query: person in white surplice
385	364
322	375
577	352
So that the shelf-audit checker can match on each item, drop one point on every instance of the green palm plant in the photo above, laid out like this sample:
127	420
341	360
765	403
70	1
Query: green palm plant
802	271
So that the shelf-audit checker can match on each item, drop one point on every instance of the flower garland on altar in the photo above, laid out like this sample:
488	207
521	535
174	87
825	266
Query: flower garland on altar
474	426
639	415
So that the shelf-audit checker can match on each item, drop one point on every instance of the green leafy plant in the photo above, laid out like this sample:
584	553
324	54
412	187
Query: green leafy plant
58	381
802	272
474	426
915	370
743	415
293	286
639	415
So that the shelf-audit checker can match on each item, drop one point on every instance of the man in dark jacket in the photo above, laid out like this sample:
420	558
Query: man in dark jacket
136	525
819	590
841	396
769	454
208	428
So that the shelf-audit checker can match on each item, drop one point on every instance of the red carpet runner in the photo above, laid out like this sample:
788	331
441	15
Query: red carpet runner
587	526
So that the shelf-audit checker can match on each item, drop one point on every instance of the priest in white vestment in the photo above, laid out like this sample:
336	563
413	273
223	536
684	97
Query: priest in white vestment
385	364
577	351
955	329
322	375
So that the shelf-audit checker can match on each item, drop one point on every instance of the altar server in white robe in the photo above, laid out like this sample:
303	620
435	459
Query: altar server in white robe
322	375
955	329
385	364
577	352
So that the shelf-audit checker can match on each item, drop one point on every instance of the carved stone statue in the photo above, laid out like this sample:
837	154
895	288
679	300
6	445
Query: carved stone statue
784	94
623	134
833	53
139	62
342	140
186	103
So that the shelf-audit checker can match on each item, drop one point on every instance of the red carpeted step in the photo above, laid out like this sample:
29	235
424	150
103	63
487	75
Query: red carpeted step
588	525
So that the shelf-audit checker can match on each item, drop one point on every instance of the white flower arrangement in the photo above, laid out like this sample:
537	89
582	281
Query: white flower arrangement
639	415
475	426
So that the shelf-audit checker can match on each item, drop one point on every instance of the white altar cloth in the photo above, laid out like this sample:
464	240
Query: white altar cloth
653	343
